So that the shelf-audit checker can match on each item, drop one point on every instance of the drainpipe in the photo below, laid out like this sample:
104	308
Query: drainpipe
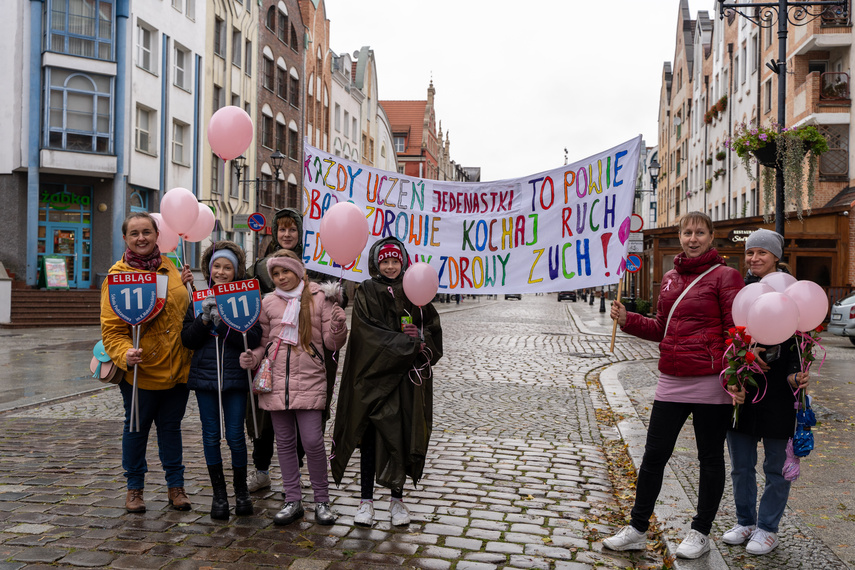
196	120
33	131
759	56
729	128
164	86
120	112
706	140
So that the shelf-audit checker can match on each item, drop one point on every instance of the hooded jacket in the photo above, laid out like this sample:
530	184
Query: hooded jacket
694	343
200	337
165	361
299	377
259	268
376	384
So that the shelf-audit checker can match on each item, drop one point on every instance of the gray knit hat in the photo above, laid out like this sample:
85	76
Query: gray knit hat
772	242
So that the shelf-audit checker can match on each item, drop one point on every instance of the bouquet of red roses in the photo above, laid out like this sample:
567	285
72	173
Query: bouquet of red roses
741	365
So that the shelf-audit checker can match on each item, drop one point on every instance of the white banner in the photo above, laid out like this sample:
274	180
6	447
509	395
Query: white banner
558	230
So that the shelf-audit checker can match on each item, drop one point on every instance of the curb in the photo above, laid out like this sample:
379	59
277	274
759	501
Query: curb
673	506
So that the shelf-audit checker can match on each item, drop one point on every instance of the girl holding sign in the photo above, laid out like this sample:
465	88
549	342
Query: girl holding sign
216	376
298	319
162	365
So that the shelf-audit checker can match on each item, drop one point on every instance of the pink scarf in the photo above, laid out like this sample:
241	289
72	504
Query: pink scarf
291	316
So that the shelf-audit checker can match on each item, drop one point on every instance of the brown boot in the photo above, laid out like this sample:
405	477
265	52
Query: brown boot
134	501
178	499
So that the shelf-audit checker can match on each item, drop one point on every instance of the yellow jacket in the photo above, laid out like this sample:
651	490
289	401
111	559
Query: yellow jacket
165	361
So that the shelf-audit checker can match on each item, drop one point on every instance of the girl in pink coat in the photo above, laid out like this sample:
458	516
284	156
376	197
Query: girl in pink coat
297	320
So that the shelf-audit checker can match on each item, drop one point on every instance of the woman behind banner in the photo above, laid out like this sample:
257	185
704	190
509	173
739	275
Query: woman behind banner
162	365
692	317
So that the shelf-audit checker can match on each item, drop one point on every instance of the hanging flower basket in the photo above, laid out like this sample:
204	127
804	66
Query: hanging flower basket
786	150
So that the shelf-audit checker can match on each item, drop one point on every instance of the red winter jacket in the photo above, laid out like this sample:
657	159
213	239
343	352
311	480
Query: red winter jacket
694	344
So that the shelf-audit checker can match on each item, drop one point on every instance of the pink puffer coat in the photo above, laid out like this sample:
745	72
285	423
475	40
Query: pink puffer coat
299	377
694	343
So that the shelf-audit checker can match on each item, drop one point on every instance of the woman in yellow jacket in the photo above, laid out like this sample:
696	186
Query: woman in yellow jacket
162	365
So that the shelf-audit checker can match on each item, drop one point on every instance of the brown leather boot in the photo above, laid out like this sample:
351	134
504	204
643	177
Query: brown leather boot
178	499
134	501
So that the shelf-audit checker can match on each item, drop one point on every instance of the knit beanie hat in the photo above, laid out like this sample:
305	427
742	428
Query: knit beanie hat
772	242
390	250
226	253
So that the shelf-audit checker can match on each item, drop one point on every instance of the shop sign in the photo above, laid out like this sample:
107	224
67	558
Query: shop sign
64	200
738	235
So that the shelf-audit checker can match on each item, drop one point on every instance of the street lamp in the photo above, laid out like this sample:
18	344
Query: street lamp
782	12
239	164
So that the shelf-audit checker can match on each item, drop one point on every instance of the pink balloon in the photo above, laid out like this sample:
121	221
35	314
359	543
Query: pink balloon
773	318
344	232
778	280
203	226
744	299
167	239
812	302
230	132
420	283
179	209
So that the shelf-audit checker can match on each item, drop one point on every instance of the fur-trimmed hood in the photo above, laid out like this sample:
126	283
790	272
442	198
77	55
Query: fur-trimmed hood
205	261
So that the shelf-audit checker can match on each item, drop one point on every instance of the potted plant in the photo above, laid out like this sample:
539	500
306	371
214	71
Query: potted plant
709	161
707	117
785	150
719	173
721	155
721	104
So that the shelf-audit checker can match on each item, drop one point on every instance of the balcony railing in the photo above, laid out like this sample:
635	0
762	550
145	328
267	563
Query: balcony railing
834	86
830	18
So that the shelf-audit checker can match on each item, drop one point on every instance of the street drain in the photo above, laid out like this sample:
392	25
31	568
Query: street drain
585	355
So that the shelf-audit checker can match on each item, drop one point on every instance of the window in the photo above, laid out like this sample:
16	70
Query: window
291	200
79	108
190	9
346	124
146	48
236	43
270	21
144	133
743	63
281	137
219	37
355	130
400	143
219	98
267	131
247	68
737	67
267	74
266	189
294	45
294	92
178	5
179	131
337	117
216	180
293	144
281	83
755	54
282	28
767	96
81	27
182	61
235	100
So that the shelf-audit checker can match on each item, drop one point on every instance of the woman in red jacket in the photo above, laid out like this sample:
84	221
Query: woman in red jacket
692	317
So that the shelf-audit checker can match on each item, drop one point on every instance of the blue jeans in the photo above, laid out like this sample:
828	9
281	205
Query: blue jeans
166	409
743	460
234	406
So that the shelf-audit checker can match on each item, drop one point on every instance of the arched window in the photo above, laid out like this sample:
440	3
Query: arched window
270	21
79	111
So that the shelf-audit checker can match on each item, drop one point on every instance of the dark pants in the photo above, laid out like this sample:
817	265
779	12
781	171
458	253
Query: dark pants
666	420
164	408
368	465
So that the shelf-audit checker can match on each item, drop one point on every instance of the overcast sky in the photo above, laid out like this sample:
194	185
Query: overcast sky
518	82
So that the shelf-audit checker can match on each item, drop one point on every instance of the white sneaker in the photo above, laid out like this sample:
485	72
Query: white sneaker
258	480
762	542
738	534
694	545
400	514
627	538
365	514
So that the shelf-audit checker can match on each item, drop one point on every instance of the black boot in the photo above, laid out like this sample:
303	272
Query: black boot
243	503
220	501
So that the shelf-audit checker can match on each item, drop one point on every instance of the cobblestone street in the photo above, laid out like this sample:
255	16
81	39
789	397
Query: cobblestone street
515	471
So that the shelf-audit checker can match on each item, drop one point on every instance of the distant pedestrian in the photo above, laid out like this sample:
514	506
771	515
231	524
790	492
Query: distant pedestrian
692	319
162	365
297	320
385	405
772	419
216	356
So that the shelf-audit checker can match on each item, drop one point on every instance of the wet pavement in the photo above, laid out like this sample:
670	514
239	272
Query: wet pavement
515	474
